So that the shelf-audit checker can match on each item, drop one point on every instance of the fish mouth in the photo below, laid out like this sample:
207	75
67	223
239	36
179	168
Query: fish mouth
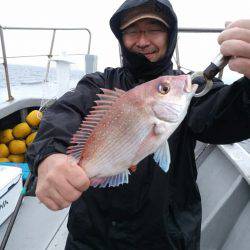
189	87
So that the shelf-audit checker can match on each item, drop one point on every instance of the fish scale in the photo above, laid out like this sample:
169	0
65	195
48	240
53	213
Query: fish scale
123	147
116	142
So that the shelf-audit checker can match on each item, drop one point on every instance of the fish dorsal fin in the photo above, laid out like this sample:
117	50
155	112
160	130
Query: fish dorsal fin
117	92
79	139
162	156
120	91
111	181
107	97
104	102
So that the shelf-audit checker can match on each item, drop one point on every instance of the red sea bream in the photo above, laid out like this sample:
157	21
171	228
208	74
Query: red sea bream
125	127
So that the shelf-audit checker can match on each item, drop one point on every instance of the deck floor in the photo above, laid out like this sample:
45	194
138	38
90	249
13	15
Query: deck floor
37	226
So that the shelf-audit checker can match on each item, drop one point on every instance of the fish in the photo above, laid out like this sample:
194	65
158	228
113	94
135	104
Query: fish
124	127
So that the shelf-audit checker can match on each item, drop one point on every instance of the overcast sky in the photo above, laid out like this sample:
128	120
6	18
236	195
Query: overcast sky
95	15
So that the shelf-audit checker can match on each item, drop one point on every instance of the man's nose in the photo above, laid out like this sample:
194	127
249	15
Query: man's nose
143	41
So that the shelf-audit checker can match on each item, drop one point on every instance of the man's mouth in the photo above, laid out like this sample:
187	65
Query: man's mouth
146	52
149	55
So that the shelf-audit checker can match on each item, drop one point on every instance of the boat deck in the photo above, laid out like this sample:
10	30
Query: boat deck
225	196
223	181
36	227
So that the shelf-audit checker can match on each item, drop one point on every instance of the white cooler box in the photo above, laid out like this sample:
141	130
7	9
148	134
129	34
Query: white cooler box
10	189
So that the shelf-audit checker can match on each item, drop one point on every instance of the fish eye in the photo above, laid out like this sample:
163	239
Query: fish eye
163	88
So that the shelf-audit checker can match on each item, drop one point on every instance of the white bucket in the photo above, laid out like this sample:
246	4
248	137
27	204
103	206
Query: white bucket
10	190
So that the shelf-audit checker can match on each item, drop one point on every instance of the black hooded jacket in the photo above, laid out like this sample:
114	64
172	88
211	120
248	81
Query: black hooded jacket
138	65
155	210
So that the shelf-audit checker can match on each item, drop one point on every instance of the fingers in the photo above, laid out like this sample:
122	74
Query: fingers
50	204
60	181
66	190
240	52
240	65
58	199
236	48
237	30
235	42
77	177
242	23
50	197
235	33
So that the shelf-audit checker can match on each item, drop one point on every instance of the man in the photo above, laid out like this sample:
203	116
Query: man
155	210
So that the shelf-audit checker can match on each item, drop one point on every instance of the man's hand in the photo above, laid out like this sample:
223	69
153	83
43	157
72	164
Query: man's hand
60	181
235	42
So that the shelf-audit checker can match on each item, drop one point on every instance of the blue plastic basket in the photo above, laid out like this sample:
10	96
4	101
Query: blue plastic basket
23	166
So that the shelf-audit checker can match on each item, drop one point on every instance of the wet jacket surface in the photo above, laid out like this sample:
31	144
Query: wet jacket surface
155	210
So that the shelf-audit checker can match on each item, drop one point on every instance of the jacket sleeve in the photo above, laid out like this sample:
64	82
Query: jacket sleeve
223	115
62	120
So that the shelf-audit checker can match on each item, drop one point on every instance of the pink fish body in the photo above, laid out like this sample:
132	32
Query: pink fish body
125	127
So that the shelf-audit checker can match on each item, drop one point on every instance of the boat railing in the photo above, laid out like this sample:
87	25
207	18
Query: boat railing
50	54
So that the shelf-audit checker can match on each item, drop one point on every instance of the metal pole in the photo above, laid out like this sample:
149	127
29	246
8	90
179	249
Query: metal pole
5	64
177	55
120	53
50	55
200	30
89	39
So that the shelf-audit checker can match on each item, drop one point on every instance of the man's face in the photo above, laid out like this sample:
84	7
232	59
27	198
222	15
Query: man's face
148	37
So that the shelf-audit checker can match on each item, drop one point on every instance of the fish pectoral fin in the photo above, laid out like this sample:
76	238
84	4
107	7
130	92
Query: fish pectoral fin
160	128
111	181
162	156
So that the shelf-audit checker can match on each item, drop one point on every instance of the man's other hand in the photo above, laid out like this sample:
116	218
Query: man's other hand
235	42
60	181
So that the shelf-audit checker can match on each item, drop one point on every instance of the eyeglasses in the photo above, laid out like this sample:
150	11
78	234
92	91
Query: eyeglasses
150	33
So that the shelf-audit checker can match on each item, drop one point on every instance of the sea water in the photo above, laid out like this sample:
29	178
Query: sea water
27	74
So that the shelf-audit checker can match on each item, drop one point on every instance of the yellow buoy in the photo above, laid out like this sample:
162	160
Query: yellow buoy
4	160
21	130
4	151
17	147
30	138
6	136
16	158
34	118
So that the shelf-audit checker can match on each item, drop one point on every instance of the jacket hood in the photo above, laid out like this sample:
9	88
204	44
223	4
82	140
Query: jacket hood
136	64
